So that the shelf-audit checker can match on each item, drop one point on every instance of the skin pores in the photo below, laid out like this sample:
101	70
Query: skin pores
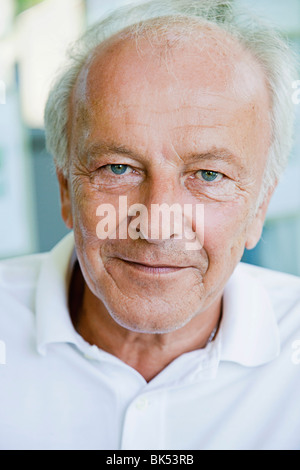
167	118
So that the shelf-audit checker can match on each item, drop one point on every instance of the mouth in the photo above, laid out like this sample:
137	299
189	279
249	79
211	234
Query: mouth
151	268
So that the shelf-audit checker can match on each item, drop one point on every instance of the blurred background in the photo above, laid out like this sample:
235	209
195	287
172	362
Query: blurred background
34	35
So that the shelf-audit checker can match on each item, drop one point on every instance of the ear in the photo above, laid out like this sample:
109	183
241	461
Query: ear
65	199
256	227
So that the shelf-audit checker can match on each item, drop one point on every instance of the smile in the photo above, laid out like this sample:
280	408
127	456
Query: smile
151	269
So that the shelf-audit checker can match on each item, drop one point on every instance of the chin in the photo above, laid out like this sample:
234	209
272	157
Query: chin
148	323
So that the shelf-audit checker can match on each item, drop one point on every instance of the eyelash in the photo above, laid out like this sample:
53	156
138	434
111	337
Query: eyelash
219	176
119	164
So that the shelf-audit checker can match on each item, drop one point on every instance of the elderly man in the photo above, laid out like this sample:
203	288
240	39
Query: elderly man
128	336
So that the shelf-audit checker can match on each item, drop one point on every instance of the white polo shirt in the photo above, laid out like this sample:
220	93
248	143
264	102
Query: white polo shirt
58	392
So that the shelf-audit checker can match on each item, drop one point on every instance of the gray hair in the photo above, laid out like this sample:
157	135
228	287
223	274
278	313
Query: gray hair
257	36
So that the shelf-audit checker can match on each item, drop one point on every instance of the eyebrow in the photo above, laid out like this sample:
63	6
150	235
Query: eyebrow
214	153
100	148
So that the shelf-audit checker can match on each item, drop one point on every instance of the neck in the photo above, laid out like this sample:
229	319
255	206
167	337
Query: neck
149	354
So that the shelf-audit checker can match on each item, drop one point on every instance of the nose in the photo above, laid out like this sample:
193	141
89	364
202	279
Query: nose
162	214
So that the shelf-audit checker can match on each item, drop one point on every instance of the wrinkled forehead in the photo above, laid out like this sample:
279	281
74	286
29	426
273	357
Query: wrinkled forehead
178	62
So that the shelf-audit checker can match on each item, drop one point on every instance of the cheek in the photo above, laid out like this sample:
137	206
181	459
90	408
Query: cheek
85	202
85	219
224	230
84	209
88	245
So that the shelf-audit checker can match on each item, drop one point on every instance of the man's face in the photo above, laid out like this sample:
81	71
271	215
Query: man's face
186	125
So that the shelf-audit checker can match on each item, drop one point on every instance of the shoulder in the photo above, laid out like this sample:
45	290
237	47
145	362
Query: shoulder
18	279
282	287
20	271
283	291
19	264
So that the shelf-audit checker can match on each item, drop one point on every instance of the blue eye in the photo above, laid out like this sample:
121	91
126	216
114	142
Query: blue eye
118	169
208	175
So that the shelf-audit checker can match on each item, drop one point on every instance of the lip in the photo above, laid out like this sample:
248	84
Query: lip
153	269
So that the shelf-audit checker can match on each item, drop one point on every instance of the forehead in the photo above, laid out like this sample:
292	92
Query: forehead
206	57
171	83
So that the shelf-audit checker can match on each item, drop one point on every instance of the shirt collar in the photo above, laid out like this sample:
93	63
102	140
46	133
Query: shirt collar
54	324
249	330
248	333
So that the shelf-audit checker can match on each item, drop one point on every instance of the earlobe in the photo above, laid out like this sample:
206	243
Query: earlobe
255	234
256	227
65	199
